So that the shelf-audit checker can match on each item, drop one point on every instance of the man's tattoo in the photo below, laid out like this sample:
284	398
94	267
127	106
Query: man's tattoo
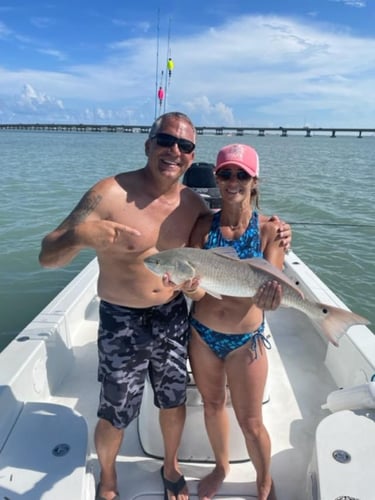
87	205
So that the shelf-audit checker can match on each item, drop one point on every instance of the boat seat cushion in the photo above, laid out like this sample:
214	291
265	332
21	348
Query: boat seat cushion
45	454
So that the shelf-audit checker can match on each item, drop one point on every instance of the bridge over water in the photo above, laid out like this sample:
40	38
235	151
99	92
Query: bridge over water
213	130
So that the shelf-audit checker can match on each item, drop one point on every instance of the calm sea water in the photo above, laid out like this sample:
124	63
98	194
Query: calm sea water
323	186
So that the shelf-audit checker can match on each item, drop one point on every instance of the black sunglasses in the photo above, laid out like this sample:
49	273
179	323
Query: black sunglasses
167	141
225	175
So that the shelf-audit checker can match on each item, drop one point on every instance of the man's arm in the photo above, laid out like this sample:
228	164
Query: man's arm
60	246
85	227
269	295
284	233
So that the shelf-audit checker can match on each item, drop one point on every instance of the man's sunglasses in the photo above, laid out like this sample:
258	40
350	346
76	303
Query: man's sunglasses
168	141
225	175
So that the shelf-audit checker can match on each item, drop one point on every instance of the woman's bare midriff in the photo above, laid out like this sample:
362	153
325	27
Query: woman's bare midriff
230	315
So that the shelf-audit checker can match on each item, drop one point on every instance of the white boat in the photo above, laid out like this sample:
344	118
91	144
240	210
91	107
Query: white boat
49	396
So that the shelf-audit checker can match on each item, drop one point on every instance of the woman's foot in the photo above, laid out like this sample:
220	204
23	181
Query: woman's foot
267	492
210	484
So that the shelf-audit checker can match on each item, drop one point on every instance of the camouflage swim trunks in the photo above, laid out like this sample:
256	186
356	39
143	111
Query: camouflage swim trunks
135	342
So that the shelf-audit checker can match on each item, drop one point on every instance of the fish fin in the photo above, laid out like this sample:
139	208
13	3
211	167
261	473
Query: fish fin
273	272
337	322
228	252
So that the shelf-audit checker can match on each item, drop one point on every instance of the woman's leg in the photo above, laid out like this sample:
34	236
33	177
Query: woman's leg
247	376
209	375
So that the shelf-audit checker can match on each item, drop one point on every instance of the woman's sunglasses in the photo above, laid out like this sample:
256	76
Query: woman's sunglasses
225	175
168	141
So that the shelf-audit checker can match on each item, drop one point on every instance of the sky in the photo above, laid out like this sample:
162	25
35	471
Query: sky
236	63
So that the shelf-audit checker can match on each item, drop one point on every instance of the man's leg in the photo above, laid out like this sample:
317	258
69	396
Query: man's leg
108	440
172	424
168	376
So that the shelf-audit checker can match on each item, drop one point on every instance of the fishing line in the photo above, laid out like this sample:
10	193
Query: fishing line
166	72
339	224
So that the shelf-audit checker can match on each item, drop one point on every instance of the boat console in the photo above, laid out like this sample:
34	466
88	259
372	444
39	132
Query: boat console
200	177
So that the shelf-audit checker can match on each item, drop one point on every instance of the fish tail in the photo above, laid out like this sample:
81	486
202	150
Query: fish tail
335	322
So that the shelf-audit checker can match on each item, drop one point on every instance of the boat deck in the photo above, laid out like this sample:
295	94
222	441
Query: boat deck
298	384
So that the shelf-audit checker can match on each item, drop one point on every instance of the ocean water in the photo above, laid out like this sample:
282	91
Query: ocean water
323	186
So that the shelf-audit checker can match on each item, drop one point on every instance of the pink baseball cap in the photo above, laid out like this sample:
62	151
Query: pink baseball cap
239	154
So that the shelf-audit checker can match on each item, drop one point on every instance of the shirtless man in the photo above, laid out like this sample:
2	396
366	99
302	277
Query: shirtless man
151	316
164	212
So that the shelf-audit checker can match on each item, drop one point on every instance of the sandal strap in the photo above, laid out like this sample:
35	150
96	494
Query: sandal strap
174	486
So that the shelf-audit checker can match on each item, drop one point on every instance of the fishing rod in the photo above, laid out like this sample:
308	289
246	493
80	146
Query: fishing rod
157	61
339	224
166	73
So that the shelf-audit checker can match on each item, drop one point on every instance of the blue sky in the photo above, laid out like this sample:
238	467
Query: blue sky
237	62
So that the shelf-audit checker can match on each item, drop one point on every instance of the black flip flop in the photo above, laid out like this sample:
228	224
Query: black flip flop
174	487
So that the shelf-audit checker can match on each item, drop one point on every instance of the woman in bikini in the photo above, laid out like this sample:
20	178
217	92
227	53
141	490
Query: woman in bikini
228	345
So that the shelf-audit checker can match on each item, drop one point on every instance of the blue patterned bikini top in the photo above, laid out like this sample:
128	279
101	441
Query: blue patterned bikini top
247	246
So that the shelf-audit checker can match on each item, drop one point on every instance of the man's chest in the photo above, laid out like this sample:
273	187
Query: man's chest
160	227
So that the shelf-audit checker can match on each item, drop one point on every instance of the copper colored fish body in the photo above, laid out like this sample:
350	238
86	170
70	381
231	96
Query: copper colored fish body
222	273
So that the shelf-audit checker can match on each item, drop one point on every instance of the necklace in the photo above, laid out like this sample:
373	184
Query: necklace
243	222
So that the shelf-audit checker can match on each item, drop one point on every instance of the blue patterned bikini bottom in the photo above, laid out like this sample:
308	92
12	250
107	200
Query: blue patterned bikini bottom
222	343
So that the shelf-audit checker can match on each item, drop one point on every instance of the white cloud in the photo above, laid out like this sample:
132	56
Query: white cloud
4	31
31	106
134	27
42	22
251	70
30	98
352	3
57	54
208	113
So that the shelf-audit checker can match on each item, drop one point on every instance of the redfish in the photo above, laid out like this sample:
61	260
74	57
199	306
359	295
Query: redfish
221	273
